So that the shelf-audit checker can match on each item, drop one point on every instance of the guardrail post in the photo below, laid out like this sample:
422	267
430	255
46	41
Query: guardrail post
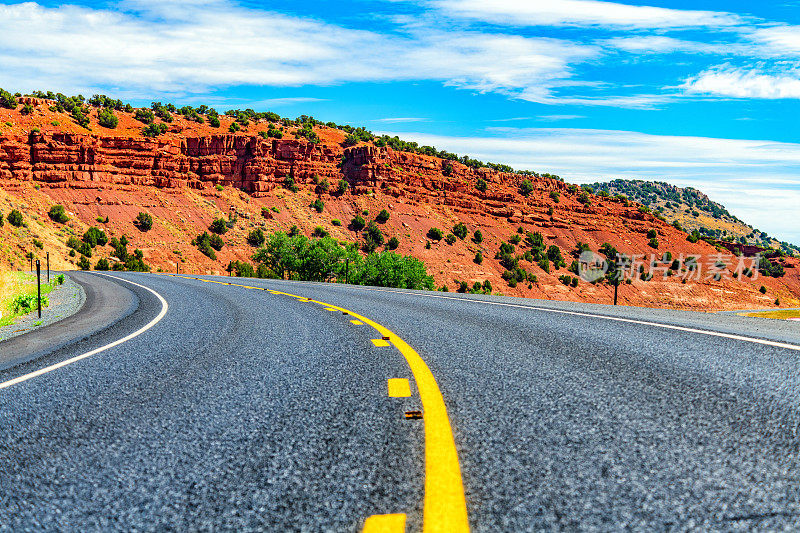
39	286
48	267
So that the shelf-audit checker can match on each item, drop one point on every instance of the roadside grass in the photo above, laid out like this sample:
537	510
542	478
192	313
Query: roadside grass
18	295
783	314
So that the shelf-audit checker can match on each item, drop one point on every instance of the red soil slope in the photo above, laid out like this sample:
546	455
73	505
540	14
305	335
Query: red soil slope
118	173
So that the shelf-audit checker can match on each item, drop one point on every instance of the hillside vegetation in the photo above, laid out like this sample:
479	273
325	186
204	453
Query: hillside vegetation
693	210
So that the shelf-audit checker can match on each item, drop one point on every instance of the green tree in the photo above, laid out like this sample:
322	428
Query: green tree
58	214
144	221
107	118
15	218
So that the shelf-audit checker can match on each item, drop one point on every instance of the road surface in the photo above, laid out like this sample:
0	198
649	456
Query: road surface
222	407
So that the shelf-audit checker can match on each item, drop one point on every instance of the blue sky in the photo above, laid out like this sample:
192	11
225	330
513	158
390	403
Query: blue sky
586	89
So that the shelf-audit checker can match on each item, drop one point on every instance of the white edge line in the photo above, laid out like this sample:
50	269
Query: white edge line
743	338
45	370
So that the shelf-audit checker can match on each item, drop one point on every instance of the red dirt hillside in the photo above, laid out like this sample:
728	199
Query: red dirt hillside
46	158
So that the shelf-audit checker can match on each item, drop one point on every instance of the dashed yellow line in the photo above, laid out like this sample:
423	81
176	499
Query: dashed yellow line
399	388
385	523
356	322
380	343
445	507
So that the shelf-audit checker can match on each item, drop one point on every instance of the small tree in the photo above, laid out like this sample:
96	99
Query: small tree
435	234
256	238
460	230
318	205
102	264
481	185
477	238
58	214
218	226
144	221
358	223
343	186
393	243
107	119
83	263
383	216
15	218
526	187
450	238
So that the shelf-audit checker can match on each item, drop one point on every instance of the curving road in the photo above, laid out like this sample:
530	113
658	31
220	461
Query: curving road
174	403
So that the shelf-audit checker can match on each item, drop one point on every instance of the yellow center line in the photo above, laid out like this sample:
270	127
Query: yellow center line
445	507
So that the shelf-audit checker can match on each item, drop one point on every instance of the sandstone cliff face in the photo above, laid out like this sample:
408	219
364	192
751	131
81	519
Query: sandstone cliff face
113	177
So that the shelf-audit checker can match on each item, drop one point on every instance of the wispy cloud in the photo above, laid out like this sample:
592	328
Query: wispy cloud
737	82
744	175
399	120
583	13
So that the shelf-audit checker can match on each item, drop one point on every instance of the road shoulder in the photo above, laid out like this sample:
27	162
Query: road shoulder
105	302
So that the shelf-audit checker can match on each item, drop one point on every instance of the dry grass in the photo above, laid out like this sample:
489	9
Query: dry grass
782	314
13	284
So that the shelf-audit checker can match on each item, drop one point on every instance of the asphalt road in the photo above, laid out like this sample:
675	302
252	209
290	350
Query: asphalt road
240	409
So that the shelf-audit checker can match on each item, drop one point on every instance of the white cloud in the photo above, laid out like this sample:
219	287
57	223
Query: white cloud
660	44
168	48
736	82
759	181
582	13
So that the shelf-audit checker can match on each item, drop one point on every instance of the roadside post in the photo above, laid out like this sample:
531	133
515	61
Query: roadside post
39	286
48	267
616	288
346	270
177	268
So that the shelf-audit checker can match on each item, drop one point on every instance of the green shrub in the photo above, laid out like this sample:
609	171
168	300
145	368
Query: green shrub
481	185
392	243
144	115
450	238
218	226
460	231
319	232
58	214
39	244
554	255
107	118
544	264
383	216
318	205
435	234
652	234
256	238
358	223
144	221
478	258
15	218
95	236
7	100
515	239
203	243
373	237
102	264
234	127
343	186
213	121
219	187
653	243
60	279
477	238
526	187
555	196
216	242
336	222
288	183
154	130
79	246
83	263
